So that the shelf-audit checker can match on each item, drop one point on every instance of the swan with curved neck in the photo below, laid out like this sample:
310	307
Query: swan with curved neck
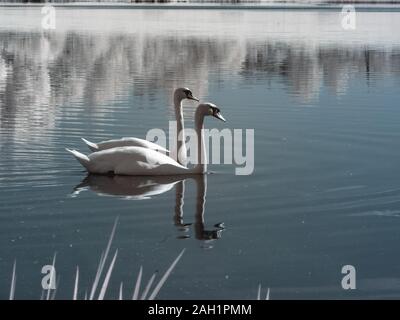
180	155
144	161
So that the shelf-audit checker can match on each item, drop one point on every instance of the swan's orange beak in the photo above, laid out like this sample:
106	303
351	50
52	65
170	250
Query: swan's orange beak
219	116
191	97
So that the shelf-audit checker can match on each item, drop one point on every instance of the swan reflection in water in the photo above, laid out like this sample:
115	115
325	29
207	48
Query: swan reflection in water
146	187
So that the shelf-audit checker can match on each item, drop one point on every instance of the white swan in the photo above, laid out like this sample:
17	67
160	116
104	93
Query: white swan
179	95
142	161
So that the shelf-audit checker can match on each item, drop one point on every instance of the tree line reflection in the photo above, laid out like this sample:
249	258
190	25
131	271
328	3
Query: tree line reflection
41	71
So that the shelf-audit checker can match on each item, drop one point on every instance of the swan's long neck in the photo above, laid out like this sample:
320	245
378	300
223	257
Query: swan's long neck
180	130
201	166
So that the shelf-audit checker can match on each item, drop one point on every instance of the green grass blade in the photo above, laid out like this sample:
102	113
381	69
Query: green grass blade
165	277
107	278
121	289
137	286
13	281
51	275
146	290
75	296
103	261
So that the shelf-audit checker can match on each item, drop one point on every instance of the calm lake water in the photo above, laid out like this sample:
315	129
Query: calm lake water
325	192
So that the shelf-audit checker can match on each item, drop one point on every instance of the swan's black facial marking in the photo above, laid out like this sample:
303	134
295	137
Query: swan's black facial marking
189	94
214	111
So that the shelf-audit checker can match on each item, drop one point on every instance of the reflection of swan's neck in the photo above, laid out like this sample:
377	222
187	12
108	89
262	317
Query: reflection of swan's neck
201	166
179	200
201	184
180	130
201	192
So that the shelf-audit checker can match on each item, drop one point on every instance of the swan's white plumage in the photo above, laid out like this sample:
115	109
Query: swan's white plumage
139	161
83	159
129	161
124	142
179	95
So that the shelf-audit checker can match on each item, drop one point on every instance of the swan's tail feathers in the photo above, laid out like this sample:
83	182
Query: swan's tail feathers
163	150
92	146
84	160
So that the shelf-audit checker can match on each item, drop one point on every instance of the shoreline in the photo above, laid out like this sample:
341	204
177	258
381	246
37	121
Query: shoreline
224	6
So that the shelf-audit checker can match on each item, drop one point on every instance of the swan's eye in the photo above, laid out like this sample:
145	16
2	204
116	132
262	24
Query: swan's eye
214	110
